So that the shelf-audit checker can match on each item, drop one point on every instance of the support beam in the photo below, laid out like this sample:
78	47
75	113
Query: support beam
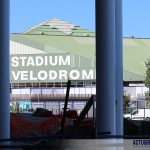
84	112
65	107
105	68
4	70
119	67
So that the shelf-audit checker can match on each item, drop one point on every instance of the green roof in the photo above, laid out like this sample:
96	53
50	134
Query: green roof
58	27
136	51
57	36
83	46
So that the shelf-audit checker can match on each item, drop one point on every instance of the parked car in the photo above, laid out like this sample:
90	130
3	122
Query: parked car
139	114
29	111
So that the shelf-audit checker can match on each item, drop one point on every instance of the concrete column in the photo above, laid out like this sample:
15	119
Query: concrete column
119	67
4	69
105	68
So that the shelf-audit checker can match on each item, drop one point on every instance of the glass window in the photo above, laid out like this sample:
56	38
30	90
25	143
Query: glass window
42	84
36	85
134	112
50	84
28	84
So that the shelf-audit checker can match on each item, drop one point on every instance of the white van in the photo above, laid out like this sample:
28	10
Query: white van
139	114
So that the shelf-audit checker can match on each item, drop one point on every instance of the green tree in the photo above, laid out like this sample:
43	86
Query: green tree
147	97
126	100
147	77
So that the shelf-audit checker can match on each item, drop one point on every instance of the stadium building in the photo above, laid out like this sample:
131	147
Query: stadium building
45	56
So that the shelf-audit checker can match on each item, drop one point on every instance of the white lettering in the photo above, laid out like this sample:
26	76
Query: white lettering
52	75
23	60
51	62
15	62
74	74
42	75
39	61
87	76
16	76
30	61
46	61
24	75
62	74
32	77
63	61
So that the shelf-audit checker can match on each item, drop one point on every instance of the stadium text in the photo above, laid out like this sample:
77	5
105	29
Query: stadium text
36	61
52	75
48	68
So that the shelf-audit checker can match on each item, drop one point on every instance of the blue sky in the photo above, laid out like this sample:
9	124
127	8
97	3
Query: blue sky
136	18
27	13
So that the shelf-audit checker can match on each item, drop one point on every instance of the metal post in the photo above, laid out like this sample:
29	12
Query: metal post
59	107
119	67
4	68
65	107
105	68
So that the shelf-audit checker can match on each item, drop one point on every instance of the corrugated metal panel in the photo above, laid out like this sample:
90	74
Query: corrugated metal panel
18	48
28	42
131	76
135	54
62	43
58	27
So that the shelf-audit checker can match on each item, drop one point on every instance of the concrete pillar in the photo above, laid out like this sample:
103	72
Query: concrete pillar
105	68
119	67
4	69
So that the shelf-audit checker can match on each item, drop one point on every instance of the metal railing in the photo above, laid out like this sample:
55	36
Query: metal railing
47	96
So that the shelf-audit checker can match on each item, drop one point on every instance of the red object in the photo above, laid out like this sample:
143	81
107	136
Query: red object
46	114
20	126
72	114
87	123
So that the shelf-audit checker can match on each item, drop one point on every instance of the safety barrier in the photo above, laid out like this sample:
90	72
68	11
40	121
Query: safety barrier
28	125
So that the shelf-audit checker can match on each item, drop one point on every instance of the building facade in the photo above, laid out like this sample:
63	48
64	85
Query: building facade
45	56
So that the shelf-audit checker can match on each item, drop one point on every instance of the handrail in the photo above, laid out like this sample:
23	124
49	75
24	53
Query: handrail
47	96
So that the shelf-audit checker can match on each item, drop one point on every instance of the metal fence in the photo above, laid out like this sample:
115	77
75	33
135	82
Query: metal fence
23	103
